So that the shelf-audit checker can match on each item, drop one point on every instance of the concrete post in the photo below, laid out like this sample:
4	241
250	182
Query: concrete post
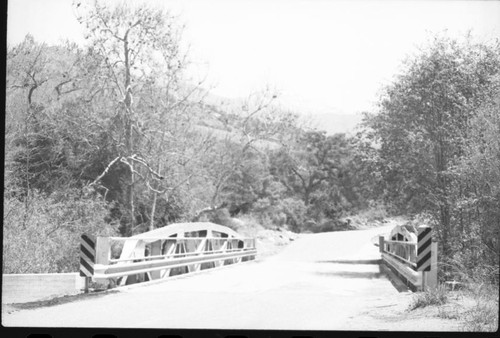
253	247
102	250
381	244
86	284
102	253
423	283
431	277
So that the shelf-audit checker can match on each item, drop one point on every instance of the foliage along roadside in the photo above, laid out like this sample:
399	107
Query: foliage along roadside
437	151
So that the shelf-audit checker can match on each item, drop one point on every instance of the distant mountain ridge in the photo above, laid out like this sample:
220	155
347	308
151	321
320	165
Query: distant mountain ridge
223	108
336	123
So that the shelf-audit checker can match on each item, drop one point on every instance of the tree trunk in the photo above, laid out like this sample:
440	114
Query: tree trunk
306	197
128	138
153	208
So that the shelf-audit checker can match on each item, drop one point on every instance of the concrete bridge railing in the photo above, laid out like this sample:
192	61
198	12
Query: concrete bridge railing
161	253
413	258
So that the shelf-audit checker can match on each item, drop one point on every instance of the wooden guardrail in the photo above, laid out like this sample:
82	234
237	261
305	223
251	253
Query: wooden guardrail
161	253
408	257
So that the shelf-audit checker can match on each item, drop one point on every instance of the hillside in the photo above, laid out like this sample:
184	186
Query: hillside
336	122
332	122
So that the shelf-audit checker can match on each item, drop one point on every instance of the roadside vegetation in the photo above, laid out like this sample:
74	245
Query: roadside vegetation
437	130
475	306
437	135
114	138
483	314
435	296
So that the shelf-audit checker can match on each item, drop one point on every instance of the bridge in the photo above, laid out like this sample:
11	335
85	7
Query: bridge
162	253
403	252
326	281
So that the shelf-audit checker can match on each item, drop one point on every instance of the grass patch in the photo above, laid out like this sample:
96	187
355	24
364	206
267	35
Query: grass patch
437	296
483	315
476	306
446	313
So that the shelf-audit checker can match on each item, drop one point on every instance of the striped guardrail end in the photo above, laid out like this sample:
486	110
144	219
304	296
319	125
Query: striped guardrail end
87	255
424	249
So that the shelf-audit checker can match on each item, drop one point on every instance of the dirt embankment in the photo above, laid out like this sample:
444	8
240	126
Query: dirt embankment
269	241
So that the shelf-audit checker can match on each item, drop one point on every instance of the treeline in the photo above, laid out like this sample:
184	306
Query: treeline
114	138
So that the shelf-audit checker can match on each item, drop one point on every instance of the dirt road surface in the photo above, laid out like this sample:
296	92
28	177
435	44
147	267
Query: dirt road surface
328	281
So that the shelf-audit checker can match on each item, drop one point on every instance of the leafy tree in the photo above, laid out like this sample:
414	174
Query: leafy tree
365	172
42	83
423	121
316	159
427	124
478	201
236	167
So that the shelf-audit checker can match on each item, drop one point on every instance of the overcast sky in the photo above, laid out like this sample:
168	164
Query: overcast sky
323	56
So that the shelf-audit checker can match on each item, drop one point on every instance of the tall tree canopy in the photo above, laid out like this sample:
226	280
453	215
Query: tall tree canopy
425	124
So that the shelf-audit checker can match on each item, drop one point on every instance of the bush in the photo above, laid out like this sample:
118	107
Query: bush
45	238
221	217
375	212
328	226
433	296
249	222
268	214
469	265
295	211
483	316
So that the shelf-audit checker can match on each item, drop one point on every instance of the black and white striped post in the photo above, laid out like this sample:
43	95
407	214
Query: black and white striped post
93	250
87	258
427	257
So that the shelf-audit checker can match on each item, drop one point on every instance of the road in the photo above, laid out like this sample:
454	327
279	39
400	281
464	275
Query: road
328	281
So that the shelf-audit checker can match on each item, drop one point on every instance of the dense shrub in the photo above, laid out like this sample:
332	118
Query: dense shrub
295	211
483	316
45	236
221	217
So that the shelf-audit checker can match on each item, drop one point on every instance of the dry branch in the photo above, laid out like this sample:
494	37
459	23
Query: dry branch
105	171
